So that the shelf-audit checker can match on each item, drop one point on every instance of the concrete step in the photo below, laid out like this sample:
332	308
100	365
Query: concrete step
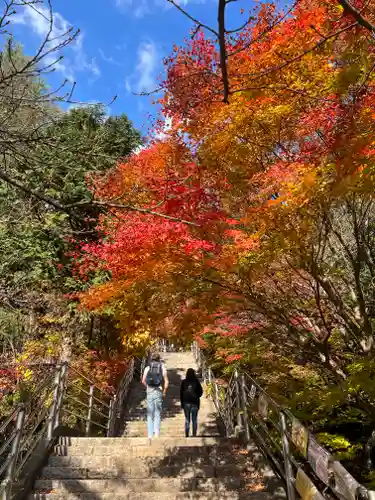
223	495
140	430
168	411
117	485
142	426
177	418
135	452
172	411
140	470
160	447
120	442
189	457
167	433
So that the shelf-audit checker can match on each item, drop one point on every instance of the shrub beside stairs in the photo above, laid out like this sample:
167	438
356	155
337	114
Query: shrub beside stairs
207	467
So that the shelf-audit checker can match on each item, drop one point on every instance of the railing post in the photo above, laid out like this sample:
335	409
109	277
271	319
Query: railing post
228	412
217	396
238	400
52	415
110	416
9	478
244	408
63	375
89	412
287	462
143	364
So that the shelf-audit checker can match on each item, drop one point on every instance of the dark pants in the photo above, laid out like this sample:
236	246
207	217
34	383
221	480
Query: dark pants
191	415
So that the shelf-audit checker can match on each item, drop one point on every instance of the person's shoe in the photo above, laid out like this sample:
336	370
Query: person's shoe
186	434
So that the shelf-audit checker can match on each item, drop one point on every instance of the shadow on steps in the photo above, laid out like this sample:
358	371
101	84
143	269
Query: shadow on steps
168	469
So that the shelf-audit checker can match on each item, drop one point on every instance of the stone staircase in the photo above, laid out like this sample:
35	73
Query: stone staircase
173	419
172	467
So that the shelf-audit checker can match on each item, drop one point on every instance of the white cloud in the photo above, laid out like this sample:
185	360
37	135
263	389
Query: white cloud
128	86
38	19
140	8
146	66
143	78
109	59
81	61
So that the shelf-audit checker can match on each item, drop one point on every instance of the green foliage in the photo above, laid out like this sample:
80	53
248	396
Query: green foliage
82	141
340	447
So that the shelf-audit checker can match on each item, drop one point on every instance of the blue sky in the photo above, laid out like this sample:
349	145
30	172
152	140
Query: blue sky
121	46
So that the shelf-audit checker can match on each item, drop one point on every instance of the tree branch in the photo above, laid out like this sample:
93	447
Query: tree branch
223	49
130	208
84	204
300	56
193	18
357	15
35	194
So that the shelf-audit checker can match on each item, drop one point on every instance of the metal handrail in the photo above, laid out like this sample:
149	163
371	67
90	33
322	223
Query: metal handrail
8	421
35	422
307	468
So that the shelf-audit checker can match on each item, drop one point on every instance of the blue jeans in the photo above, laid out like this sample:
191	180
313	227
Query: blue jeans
154	406
191	415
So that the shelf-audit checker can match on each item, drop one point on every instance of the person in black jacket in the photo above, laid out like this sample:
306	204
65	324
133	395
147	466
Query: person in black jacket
190	394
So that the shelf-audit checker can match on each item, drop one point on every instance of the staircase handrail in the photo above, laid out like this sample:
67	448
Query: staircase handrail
35	422
307	468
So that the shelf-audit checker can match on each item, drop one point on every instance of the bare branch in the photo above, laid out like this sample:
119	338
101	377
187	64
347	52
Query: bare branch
193	18
231	32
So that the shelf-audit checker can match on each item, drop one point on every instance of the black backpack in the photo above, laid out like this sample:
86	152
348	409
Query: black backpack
154	376
190	394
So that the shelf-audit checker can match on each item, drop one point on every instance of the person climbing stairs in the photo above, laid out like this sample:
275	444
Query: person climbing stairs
173	419
172	467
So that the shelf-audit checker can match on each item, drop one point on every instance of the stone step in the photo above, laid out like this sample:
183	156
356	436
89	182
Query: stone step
171	431
168	433
120	442
140	470
170	412
173	406
223	495
140	484
134	453
165	427
141	416
152	462
173	422
153	450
